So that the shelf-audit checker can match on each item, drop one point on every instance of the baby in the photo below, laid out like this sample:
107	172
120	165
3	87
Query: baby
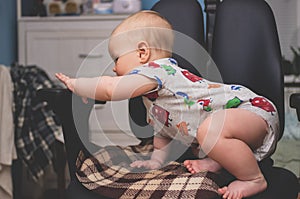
233	126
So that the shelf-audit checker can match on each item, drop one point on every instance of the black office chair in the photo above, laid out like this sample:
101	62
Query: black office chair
282	183
246	50
61	100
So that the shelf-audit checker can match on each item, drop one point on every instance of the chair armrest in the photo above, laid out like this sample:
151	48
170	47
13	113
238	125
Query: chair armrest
295	103
56	97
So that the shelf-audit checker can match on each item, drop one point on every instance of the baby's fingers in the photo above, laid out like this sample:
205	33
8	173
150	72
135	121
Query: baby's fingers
137	164
85	100
66	81
63	78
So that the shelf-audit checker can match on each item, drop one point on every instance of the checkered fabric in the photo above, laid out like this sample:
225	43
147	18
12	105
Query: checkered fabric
108	173
36	126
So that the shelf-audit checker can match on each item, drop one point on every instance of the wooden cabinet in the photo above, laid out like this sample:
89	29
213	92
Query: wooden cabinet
76	46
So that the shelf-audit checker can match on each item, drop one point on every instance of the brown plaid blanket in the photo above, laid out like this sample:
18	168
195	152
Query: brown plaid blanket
108	173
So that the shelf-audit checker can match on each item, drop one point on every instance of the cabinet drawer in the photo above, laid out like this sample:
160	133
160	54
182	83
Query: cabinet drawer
73	53
110	117
109	125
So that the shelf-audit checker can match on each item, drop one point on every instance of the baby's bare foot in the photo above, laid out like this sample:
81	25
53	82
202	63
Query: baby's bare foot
239	189
207	164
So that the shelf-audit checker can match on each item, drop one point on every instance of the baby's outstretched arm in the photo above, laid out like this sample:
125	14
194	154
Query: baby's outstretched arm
158	157
106	88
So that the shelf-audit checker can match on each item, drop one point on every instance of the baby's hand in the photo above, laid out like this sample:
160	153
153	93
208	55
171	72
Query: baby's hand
70	83
148	164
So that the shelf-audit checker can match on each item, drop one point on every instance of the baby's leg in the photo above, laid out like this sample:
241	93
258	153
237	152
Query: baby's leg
228	137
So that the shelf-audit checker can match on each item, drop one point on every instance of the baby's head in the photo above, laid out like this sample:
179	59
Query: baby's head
144	29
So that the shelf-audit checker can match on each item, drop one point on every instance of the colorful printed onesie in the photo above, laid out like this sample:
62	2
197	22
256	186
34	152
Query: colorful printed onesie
183	100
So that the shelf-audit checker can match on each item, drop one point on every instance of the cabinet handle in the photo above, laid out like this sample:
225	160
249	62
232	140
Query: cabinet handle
83	56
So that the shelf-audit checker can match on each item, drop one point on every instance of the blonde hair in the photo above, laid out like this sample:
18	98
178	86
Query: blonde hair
142	19
147	26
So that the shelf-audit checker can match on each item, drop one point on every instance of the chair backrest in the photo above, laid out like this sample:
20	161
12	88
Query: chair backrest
62	102
246	49
186	17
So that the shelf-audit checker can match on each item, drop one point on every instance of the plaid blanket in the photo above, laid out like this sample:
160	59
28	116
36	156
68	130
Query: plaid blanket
108	173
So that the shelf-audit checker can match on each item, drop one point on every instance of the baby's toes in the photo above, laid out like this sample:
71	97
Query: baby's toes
222	190
191	170
237	195
232	195
187	163
226	194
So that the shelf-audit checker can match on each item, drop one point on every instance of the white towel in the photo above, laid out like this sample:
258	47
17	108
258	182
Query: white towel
7	145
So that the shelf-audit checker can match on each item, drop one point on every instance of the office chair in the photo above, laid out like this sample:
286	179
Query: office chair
230	49
61	100
246	51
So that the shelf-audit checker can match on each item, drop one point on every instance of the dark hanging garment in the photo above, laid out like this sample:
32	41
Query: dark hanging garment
36	126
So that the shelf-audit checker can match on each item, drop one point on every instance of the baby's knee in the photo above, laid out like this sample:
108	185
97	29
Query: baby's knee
202	131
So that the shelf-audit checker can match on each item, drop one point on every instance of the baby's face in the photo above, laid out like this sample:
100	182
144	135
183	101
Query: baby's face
123	50
126	63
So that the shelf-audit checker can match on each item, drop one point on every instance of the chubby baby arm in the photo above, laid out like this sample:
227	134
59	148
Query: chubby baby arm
158	157
107	88
88	87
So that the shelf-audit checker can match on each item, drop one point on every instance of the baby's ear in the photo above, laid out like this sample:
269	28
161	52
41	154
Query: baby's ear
144	52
